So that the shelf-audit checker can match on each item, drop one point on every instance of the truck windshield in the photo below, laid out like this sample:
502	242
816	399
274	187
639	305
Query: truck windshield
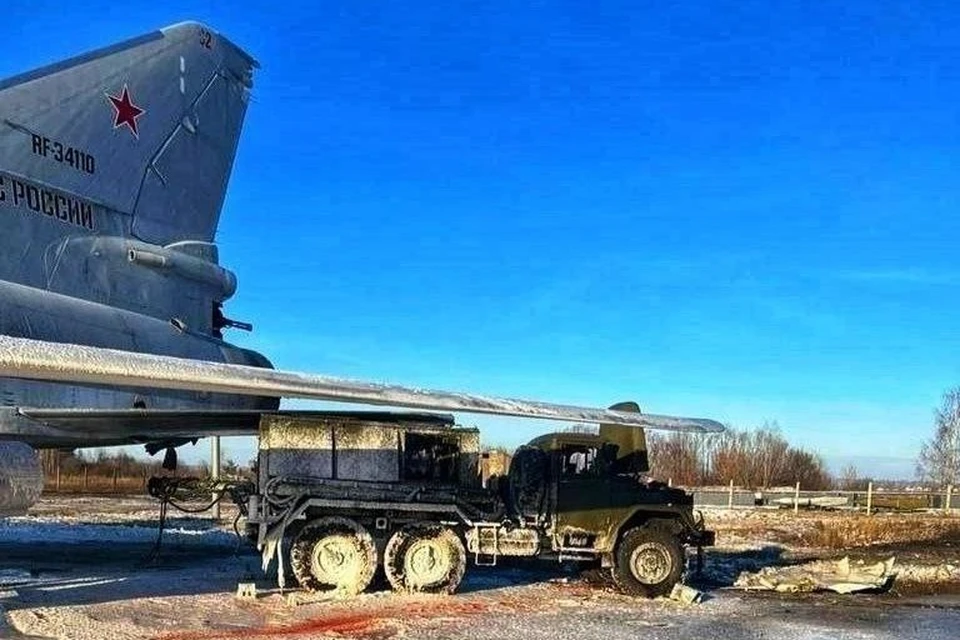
582	461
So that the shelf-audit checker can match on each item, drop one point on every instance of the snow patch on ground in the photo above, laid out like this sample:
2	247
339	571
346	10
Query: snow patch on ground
55	530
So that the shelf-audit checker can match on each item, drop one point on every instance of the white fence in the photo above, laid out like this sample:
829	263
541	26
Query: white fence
868	500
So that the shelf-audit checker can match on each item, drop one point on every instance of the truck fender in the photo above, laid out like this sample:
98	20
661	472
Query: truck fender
641	516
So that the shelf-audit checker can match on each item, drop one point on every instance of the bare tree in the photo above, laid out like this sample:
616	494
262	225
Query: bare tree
675	457
939	459
808	469
728	458
849	478
49	460
769	455
761	458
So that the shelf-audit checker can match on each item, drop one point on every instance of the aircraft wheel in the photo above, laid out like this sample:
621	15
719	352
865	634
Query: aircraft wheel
649	561
425	558
334	553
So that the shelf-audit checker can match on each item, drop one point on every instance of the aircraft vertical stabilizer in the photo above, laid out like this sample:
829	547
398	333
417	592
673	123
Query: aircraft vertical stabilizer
148	128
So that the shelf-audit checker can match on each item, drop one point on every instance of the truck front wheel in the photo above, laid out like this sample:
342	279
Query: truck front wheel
336	553
649	561
425	558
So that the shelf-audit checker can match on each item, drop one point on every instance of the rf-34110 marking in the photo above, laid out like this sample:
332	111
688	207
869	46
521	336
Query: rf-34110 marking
62	153
66	209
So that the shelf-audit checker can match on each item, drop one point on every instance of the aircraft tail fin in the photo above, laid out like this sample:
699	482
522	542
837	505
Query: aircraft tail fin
632	456
147	127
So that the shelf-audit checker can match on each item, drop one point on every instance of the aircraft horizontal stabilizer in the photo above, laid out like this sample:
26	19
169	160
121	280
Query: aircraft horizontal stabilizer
51	361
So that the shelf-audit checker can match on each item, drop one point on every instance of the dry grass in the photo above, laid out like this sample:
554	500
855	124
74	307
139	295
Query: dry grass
837	530
864	531
96	484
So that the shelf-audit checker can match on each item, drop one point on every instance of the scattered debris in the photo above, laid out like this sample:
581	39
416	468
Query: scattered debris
846	531
822	575
686	595
247	590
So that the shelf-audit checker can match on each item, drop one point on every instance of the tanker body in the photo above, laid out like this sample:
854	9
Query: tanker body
340	494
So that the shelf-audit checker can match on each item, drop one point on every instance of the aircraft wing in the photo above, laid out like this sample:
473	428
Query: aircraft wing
51	361
72	428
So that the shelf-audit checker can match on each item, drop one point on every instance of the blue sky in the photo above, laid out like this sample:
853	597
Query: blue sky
738	210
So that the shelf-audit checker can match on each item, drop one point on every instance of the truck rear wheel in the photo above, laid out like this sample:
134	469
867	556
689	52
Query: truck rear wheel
425	558
336	553
649	561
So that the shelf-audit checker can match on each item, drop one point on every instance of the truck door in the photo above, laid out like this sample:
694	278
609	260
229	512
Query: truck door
582	487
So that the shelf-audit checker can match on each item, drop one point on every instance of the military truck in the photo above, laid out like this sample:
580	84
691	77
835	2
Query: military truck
339	495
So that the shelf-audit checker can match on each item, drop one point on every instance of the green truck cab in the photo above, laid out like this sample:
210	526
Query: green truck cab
595	503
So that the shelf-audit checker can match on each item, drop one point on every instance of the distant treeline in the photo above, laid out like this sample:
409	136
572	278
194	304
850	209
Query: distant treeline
760	458
99	462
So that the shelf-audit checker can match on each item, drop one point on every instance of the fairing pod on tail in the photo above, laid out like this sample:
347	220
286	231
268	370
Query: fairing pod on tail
40	360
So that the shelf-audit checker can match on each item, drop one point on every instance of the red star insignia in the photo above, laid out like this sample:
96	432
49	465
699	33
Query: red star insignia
126	112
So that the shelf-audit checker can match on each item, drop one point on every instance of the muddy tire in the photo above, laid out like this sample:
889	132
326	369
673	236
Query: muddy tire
333	553
649	561
425	558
